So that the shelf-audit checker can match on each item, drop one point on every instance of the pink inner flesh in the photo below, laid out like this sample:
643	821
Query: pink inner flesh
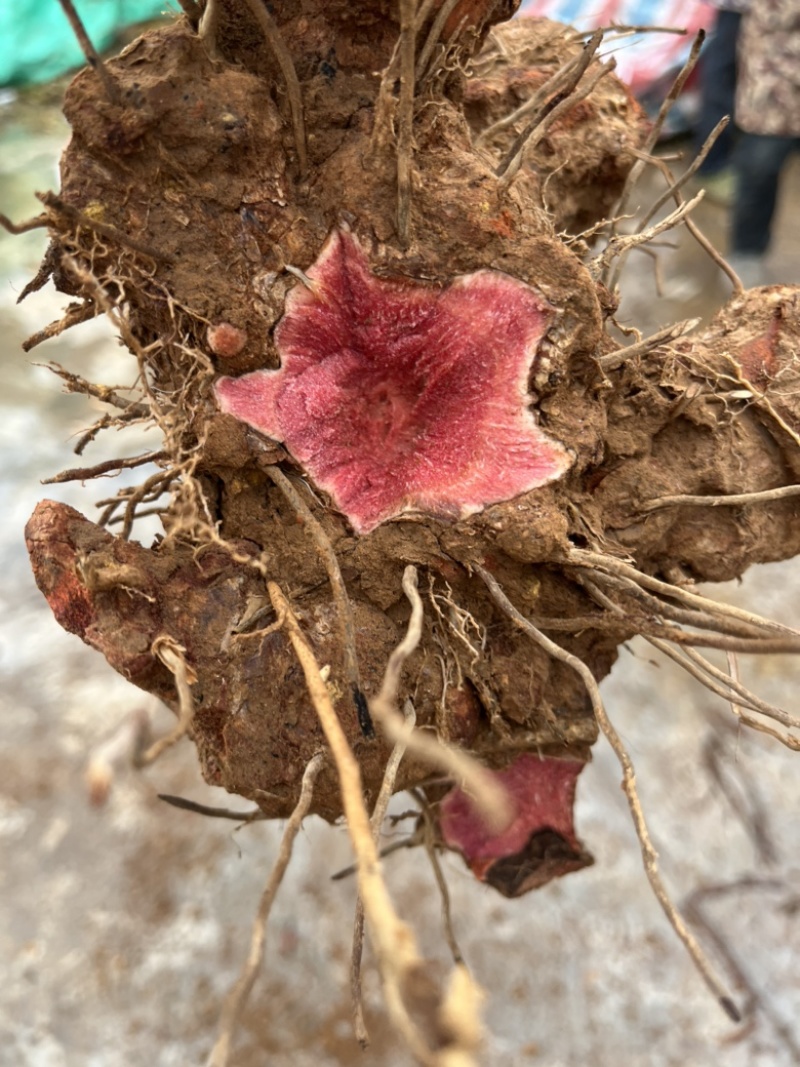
398	396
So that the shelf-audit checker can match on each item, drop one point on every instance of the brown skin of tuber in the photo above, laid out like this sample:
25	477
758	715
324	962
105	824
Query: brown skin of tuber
206	152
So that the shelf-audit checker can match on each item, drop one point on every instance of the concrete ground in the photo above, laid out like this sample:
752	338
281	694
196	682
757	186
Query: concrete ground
121	929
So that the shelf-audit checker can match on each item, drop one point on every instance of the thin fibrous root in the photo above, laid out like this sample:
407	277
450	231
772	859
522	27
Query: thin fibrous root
429	841
662	608
172	655
695	231
82	474
80	219
763	496
647	344
626	31
672	191
718	682
483	789
237	998
730	774
399	963
561	97
150	489
649	855
411	841
92	58
730	689
376	821
549	115
276	42
757	998
254	815
74	315
643	622
37	223
655	130
622	243
533	105
73	383
405	114
122	749
342	600
426	52
594	561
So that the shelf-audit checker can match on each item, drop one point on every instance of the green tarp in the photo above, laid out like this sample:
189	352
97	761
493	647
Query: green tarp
37	42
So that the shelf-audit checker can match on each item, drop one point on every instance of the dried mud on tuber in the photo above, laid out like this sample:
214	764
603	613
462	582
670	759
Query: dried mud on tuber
414	491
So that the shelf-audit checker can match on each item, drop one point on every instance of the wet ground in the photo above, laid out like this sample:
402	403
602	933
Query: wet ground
121	928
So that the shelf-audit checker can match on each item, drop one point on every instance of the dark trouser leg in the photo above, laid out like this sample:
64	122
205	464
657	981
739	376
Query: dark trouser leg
758	162
718	90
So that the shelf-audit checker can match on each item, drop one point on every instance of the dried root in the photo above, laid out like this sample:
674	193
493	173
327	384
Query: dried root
376	822
237	998
489	798
649	855
400	965
270	30
342	600
173	657
92	58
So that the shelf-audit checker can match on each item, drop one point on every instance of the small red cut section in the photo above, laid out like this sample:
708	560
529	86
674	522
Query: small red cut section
397	396
540	843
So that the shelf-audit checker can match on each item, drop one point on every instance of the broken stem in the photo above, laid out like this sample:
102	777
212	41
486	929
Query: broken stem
191	9
649	855
237	998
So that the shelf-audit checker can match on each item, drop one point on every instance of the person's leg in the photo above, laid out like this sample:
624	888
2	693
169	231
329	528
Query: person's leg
718	90
758	162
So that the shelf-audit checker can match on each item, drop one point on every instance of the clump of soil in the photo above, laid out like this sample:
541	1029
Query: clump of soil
193	208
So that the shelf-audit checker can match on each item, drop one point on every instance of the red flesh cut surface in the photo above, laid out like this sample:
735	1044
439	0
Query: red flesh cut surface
397	396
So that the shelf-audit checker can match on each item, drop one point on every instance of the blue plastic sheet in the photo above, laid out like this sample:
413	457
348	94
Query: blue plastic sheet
37	42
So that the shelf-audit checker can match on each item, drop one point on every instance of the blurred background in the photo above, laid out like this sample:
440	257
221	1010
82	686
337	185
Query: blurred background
123	927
